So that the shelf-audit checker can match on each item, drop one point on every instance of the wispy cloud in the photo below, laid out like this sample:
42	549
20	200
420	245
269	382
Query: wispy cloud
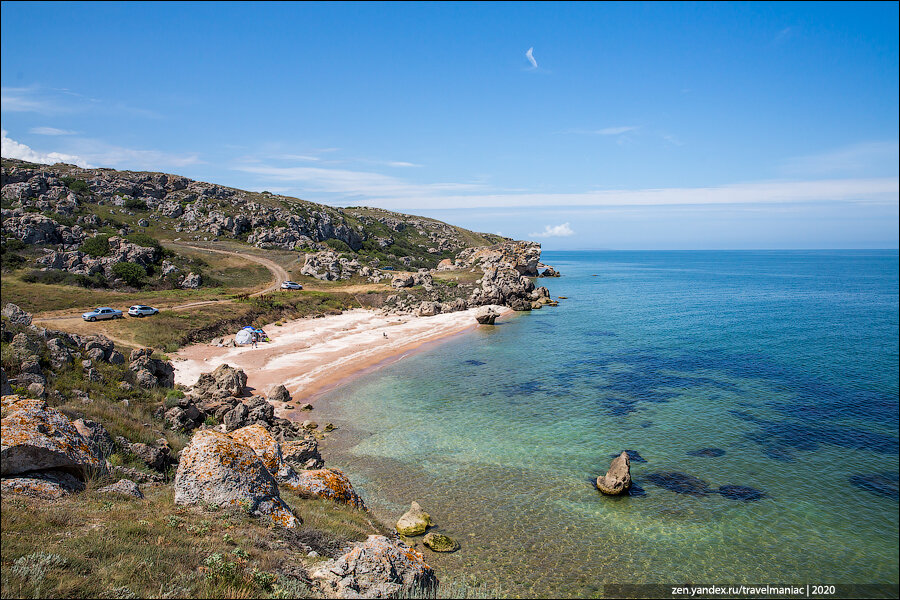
55	101
881	157
51	131
400	163
10	148
615	130
530	56
563	230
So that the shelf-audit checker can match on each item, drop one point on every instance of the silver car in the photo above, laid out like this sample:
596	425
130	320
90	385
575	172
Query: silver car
104	312
141	310
290	285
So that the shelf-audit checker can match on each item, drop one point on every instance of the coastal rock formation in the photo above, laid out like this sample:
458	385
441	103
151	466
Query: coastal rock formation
486	315
279	393
16	315
377	568
36	437
266	448
223	381
438	542
151	372
302	454
328	484
414	521
549	272
217	469
618	479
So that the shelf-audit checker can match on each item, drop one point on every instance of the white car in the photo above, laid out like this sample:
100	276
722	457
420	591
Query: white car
140	310
104	312
290	285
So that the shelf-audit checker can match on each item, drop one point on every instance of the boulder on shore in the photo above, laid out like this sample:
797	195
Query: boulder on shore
279	393
224	381
328	484
377	568
217	469
486	315
414	521
618	479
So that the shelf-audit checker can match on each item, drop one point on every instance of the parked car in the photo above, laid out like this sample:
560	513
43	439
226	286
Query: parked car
290	285
104	312
140	310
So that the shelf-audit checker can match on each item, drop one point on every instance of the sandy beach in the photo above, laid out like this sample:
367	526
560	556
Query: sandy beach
310	355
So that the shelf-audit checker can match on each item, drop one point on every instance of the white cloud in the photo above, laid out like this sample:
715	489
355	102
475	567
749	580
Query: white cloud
554	231
400	163
51	131
615	130
10	148
530	56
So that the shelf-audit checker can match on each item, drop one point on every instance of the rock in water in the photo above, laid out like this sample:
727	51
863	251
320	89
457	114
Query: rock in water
707	452
633	456
216	469
486	315
377	568
414	522
439	542
618	479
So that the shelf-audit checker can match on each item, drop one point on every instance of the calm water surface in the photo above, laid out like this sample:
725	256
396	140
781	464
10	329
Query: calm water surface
776	371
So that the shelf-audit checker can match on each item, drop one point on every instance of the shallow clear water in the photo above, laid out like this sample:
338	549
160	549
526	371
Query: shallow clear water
786	361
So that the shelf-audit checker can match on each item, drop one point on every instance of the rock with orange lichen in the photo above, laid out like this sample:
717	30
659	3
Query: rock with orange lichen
328	484
219	470
302	454
267	449
377	568
36	437
49	485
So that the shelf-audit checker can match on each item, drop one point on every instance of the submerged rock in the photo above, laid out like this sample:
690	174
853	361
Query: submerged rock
880	484
707	452
633	456
438	542
741	492
414	521
618	479
680	483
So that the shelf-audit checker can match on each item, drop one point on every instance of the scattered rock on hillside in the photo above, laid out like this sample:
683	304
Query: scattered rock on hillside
191	281
618	479
16	315
377	568
49	485
224	381
328	484
217	469
414	521
302	454
125	487
36	437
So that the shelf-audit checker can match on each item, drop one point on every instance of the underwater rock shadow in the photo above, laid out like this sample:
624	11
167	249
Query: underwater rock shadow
886	485
707	452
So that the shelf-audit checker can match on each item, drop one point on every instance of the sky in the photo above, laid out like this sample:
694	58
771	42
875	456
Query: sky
582	126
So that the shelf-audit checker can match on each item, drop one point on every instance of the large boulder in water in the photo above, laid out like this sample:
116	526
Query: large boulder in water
36	437
414	521
486	315
618	479
221	471
377	568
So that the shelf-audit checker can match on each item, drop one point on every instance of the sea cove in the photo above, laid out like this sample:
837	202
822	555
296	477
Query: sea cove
775	371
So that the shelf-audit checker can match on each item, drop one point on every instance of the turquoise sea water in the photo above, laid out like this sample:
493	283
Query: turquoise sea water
782	366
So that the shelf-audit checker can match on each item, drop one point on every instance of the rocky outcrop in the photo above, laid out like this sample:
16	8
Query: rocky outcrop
302	454
36	437
377	568
327	484
151	372
97	438
414	521
16	315
120	250
49	485
266	448
549	272
523	257
618	479
221	471
191	281
503	285
279	393
224	381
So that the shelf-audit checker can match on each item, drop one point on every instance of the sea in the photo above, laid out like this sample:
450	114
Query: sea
756	392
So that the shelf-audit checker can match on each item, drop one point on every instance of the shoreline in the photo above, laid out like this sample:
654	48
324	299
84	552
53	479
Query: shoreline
312	356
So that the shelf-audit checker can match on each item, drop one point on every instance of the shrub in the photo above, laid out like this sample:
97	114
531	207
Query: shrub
34	566
53	276
131	273
96	246
142	239
135	204
338	245
79	186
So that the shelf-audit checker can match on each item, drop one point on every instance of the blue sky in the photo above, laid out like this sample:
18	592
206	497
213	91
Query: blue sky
628	126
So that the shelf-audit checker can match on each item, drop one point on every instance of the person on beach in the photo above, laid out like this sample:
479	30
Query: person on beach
384	333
